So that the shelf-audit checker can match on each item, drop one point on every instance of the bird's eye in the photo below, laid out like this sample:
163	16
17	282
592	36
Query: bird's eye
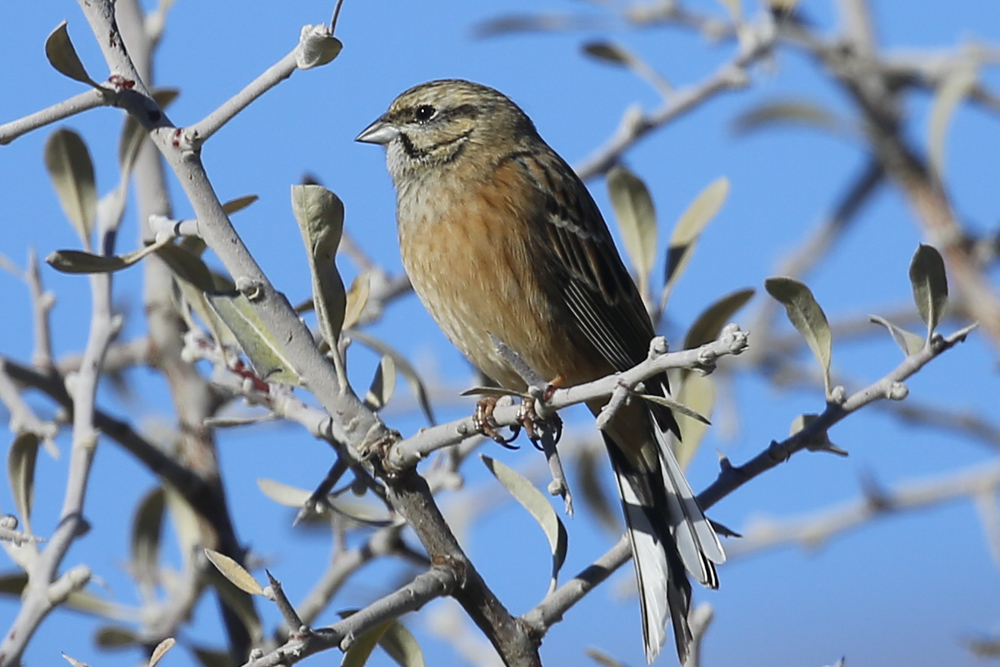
424	112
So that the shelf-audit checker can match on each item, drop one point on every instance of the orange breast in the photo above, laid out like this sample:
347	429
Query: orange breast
470	259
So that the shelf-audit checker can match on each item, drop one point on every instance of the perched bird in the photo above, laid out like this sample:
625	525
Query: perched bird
500	237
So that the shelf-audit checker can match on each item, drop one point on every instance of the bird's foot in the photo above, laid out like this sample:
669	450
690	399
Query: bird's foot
484	422
535	426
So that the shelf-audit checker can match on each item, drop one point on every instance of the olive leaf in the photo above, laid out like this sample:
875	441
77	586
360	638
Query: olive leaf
261	347
115	636
698	393
21	472
539	507
636	218
383	384
234	572
68	162
147	532
709	324
161	650
908	341
76	261
930	285
787	112
361	649
320	215
676	406
689	227
952	90
403	366
62	56
609	53
807	317
402	646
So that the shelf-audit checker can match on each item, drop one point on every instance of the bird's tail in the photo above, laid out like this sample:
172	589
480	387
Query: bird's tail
669	535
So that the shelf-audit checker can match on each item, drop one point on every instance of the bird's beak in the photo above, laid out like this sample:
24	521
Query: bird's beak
379	132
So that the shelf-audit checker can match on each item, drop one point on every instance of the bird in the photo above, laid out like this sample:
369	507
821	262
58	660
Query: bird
501	240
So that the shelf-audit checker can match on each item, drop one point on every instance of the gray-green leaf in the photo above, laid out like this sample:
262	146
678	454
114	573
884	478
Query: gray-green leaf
21	472
147	531
909	342
403	366
709	324
955	86
72	172
690	225
807	317
320	215
402	646
636	220
539	507
234	572
930	285
383	384
261	347
62	56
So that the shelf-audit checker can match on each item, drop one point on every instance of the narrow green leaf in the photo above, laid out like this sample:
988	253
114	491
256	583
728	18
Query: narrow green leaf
538	506
161	650
238	204
72	172
636	218
115	636
261	347
320	215
12	583
21	472
930	285
782	113
676	406
73	661
698	393
234	572
403	366
953	89
807	317
689	227
357	299
383	384
283	494
909	342
709	324
75	261
62	56
189	267
402	646
609	53
147	531
361	649
603	659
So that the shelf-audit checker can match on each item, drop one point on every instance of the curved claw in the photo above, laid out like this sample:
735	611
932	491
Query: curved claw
483	420
529	419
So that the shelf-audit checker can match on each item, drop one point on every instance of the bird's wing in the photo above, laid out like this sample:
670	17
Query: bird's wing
587	268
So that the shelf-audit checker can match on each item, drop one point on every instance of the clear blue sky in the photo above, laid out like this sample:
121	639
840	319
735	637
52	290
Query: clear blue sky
900	591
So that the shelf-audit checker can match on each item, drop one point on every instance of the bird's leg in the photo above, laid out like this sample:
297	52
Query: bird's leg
534	425
485	424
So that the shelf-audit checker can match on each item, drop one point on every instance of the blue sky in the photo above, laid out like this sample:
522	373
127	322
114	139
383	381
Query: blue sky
905	590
